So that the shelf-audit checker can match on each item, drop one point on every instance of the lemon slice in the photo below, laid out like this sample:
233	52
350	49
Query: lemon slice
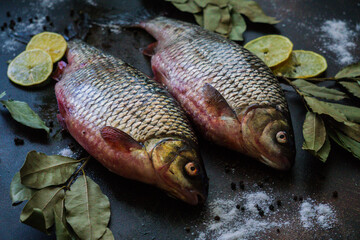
52	43
302	64
30	68
272	49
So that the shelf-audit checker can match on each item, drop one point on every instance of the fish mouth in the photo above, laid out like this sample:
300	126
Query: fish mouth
281	164
190	196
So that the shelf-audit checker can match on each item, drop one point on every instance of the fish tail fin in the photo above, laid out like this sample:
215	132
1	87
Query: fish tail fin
125	20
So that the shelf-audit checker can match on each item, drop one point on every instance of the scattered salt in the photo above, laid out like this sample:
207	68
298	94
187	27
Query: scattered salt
66	152
312	215
340	40
50	4
91	2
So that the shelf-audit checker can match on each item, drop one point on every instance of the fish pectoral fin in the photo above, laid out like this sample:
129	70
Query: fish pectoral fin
217	102
150	49
119	139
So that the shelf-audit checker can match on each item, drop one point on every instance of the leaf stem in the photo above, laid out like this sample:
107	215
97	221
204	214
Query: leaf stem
77	172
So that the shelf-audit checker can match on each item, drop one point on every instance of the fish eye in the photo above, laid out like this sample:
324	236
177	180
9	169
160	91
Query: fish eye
281	137
191	169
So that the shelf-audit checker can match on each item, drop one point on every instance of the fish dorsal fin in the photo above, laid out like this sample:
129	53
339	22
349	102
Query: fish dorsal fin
217	101
119	139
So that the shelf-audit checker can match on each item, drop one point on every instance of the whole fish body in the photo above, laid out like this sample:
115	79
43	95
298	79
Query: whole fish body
228	92
129	123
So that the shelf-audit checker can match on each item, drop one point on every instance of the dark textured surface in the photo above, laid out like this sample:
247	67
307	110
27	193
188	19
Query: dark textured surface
143	212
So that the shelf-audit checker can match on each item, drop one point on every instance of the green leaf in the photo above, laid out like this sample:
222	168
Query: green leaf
108	235
62	233
351	113
352	87
199	19
190	7
87	209
212	16
44	200
252	10
238	27
350	71
349	128
323	153
320	92
224	26
19	192
22	113
40	170
346	142
326	108
219	3
2	94
314	132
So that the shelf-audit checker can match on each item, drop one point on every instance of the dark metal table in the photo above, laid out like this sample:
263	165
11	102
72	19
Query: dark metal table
143	212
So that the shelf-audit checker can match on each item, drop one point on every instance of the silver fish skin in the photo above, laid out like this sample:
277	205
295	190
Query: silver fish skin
129	123
228	92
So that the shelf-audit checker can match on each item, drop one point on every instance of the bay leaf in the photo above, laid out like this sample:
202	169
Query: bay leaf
199	19
40	170
352	87
189	6
314	132
346	142
87	209
19	192
324	151
62	233
326	108
2	94
22	113
351	113
238	27
212	16
317	91
108	235
44	200
219	3
224	25
177	1
349	128
350	71
252	10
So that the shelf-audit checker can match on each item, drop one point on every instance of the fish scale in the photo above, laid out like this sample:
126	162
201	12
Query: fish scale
218	83
83	88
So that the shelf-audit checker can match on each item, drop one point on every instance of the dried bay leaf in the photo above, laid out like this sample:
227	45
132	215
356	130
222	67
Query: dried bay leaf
19	192
40	170
199	18
108	235
317	91
350	129
189	6
62	233
2	94
87	209
350	71
352	87
314	132
350	112
212	16
238	27
43	200
346	142
252	10
224	26
326	108
324	151
22	113
219	3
